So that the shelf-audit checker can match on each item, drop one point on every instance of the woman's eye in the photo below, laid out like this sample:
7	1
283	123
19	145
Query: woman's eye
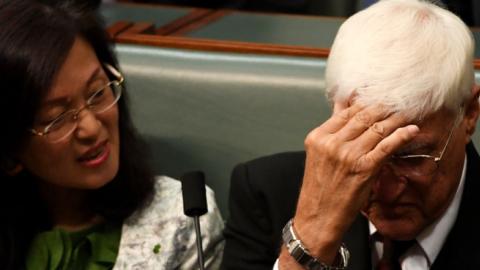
58	122
47	120
97	96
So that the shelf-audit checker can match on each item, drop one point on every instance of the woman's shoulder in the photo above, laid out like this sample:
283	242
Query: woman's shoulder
165	184
167	202
168	192
163	236
168	195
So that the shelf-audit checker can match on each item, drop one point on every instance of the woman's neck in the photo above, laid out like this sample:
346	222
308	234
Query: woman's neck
69	208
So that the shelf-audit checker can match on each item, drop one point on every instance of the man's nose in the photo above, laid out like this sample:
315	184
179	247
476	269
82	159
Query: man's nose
389	185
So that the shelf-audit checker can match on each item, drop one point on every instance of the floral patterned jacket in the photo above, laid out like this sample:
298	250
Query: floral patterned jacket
162	237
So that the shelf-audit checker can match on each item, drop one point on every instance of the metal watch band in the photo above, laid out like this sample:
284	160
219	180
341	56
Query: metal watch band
301	254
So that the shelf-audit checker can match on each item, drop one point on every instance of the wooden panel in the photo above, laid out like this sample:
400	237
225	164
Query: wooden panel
173	34
215	45
183	21
476	63
144	28
118	27
159	15
212	16
309	31
141	33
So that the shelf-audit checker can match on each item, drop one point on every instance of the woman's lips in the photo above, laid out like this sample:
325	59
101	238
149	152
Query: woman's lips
96	156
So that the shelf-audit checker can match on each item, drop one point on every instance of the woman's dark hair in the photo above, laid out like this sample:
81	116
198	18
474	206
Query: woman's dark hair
35	38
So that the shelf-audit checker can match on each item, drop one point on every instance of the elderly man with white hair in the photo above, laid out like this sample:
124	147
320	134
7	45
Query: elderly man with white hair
391	179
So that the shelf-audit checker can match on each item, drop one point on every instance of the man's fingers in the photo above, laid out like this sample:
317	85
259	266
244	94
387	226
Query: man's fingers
339	119
361	121
344	104
387	147
340	106
380	130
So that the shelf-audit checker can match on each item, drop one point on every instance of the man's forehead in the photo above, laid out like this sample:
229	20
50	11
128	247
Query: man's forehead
422	142
433	130
440	121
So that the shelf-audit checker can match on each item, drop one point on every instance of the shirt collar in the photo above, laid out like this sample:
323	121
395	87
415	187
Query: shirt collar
431	239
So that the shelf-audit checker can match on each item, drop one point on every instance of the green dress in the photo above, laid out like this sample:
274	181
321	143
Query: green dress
95	248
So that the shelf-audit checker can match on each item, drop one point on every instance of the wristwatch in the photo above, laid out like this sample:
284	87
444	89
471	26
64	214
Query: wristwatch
301	254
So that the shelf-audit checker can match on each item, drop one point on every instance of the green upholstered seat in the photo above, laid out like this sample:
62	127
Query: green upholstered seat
307	31
210	111
159	15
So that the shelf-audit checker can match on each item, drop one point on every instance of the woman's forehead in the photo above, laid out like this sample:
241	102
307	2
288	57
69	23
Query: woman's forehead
80	57
80	67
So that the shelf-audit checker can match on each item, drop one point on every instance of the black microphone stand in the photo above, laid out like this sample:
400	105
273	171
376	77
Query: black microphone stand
195	205
201	264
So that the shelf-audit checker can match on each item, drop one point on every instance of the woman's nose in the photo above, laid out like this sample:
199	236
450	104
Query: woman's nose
88	125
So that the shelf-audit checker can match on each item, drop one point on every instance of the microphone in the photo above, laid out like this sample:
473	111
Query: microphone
195	204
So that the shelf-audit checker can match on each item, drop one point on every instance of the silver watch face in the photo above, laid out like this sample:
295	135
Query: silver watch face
292	244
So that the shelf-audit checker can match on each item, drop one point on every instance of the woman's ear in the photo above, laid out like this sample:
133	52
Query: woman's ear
10	166
472	111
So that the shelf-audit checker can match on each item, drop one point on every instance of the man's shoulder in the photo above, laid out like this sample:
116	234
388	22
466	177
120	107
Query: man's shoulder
276	177
285	158
281	165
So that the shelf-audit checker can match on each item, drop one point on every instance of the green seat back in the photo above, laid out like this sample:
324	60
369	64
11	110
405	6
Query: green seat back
159	15
210	111
272	29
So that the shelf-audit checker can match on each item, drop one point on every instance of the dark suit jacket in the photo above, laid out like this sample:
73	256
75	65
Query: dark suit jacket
263	197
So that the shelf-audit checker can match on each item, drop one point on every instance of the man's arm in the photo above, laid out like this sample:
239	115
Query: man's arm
263	197
343	157
248	230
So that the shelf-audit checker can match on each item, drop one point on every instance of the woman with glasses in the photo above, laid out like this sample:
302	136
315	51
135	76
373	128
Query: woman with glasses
76	192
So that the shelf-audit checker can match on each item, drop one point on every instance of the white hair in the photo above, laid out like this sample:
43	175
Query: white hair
410	55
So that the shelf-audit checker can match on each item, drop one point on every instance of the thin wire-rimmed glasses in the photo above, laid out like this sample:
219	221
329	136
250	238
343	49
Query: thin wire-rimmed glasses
100	101
421	165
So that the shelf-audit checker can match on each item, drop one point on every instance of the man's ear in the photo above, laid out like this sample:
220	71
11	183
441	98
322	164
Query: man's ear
472	111
11	167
